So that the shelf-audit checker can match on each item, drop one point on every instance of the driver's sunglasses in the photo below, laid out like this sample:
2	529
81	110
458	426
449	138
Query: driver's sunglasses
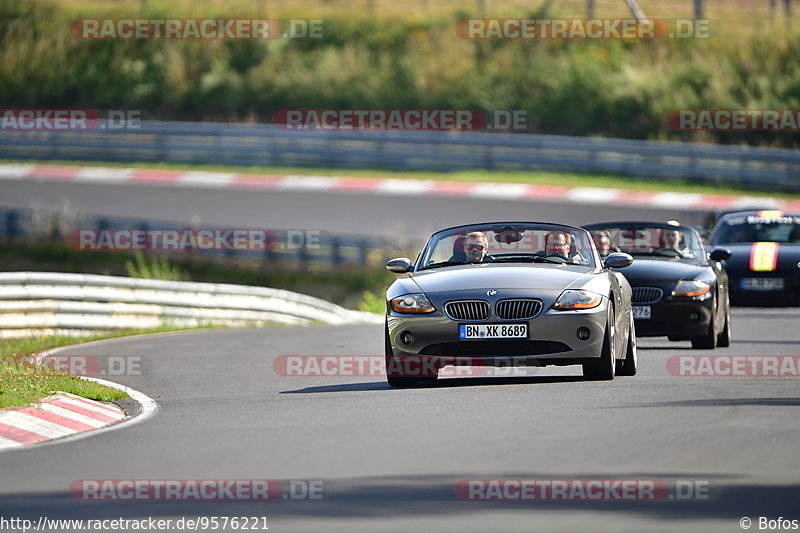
475	247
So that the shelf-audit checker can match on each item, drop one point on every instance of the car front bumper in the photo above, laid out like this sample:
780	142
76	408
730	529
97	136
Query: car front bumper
677	319
790	295
552	339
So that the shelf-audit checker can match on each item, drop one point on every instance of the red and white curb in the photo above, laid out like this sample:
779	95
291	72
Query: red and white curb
389	186
65	417
58	415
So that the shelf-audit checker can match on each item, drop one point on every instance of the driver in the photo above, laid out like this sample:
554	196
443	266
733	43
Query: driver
557	243
672	239
475	246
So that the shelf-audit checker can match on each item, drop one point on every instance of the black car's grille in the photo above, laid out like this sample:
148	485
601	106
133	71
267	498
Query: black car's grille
646	295
468	309
518	309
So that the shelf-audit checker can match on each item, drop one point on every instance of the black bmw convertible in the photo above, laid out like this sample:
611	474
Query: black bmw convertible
679	290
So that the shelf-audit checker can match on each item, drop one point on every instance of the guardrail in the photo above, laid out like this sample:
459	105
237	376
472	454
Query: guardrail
44	303
267	145
294	248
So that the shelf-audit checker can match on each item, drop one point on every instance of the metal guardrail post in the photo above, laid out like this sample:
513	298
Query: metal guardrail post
302	256
363	251
12	226
336	257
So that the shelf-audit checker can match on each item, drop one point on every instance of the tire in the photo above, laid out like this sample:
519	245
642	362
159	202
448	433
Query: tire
724	338
393	362
629	365
604	367
708	341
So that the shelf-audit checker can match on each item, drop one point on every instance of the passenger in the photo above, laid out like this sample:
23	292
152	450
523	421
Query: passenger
602	239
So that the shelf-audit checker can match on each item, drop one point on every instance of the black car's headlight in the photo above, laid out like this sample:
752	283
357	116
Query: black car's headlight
412	303
691	288
572	299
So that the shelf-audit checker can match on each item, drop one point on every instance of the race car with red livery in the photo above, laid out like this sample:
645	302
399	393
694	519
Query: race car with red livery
764	267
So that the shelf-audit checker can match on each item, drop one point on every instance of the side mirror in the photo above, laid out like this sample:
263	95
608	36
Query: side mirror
618	260
719	254
400	265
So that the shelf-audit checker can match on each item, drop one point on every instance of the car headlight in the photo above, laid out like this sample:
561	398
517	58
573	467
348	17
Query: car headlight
577	299
412	303
691	288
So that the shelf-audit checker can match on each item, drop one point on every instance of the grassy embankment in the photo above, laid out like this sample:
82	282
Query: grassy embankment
404	58
22	382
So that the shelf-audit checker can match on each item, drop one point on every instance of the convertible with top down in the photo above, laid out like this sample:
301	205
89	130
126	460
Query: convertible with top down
509	293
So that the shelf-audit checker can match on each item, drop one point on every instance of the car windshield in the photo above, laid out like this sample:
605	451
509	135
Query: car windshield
758	228
661	241
508	243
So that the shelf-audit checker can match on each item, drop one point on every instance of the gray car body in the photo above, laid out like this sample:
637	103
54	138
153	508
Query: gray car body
541	281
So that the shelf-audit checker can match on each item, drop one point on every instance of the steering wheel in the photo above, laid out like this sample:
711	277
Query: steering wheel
669	251
557	257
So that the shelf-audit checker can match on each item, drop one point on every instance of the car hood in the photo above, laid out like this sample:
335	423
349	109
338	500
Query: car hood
644	269
488	276
741	253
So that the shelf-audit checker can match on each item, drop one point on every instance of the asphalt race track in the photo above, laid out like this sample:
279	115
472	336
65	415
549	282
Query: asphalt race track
389	460
335	212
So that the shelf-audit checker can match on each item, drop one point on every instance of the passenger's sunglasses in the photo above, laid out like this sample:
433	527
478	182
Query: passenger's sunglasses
475	247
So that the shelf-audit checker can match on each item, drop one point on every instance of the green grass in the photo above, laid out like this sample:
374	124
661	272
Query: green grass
22	383
567	179
154	268
373	302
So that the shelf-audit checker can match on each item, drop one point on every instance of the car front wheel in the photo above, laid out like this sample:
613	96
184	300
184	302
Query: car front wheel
707	341
629	365
604	367
724	338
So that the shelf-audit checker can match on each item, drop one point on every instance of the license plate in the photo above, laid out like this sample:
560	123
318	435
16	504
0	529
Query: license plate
762	284
492	331
642	312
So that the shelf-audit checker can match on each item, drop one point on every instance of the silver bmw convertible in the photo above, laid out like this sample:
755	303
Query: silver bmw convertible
509	293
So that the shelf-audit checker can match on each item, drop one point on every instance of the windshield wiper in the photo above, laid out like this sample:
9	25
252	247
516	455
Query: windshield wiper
514	258
658	253
445	263
529	259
